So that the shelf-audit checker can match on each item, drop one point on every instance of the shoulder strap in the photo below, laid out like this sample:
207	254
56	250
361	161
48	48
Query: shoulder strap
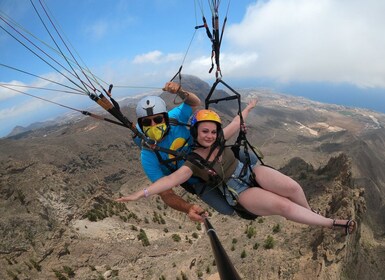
166	162
174	121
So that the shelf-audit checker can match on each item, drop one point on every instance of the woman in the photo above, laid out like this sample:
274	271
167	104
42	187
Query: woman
278	194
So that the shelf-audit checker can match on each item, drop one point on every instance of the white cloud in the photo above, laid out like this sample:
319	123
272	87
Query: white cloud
156	57
6	89
310	40
19	110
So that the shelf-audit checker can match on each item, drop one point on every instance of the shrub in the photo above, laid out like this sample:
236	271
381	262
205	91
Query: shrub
243	254
184	276
277	228
176	237
59	275
251	231
69	271
269	242
199	226
143	237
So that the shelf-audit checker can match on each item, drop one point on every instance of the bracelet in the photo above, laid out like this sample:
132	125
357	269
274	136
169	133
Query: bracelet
182	94
146	193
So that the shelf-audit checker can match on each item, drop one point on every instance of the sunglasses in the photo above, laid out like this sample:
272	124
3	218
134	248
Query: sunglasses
156	120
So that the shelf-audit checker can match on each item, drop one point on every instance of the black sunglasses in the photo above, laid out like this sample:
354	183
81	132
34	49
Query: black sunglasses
148	121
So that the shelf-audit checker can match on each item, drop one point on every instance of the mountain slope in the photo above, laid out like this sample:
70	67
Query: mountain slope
57	186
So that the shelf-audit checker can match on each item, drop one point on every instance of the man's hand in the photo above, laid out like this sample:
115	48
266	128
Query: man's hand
196	213
172	87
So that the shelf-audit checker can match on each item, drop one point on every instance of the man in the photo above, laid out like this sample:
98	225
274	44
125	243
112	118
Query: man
159	125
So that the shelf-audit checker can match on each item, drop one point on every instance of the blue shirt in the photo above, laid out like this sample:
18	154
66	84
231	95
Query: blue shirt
174	140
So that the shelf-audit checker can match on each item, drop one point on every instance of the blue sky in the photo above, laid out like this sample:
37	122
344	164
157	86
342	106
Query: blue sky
328	50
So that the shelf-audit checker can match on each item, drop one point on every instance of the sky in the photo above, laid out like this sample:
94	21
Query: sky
327	50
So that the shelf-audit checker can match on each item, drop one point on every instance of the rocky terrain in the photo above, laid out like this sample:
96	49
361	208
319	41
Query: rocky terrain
59	220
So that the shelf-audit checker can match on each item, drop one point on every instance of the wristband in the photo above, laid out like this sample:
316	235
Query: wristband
146	193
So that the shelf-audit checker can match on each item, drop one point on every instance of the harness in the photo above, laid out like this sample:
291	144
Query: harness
216	181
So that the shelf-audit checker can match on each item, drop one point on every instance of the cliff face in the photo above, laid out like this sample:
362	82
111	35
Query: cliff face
59	220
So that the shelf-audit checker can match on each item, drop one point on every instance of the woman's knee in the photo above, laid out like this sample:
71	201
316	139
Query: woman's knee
283	207
294	187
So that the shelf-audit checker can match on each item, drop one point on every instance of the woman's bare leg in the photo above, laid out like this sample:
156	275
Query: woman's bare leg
280	184
265	203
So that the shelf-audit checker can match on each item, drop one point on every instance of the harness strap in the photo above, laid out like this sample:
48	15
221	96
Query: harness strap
166	162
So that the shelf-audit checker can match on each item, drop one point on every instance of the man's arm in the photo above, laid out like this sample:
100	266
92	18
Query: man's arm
176	202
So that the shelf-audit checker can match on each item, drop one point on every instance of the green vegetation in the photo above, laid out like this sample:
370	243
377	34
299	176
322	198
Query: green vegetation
277	228
269	242
157	218
109	209
184	276
66	270
251	231
176	237
69	271
134	228
243	254
143	237
59	275
208	269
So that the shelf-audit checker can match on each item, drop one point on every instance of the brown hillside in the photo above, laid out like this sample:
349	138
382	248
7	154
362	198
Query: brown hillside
59	220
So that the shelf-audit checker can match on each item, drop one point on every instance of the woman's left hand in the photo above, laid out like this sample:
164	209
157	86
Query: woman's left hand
130	197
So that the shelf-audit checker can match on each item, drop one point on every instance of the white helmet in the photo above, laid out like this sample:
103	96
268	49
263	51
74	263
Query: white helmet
150	105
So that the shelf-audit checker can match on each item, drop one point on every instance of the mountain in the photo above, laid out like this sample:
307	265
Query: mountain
59	220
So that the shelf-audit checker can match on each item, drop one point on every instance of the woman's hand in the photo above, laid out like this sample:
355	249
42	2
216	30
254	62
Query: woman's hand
252	103
131	197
